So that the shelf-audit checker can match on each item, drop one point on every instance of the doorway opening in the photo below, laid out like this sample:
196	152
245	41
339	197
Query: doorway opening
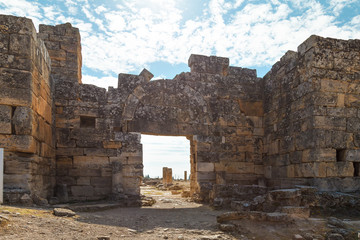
165	161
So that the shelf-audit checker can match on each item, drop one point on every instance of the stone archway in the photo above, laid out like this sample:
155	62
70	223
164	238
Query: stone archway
169	108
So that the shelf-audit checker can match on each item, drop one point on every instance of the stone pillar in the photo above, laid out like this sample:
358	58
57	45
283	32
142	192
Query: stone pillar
167	176
1	174
185	175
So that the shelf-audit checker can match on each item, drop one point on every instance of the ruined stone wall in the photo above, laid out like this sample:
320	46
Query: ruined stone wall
92	162
26	120
311	116
219	109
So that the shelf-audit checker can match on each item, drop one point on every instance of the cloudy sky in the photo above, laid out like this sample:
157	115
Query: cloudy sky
125	36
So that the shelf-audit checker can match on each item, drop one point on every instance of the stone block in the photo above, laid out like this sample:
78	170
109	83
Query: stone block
205	64
101	182
340	169
85	172
17	166
112	144
83	181
18	143
329	122
12	78
23	120
21	181
352	155
69	151
252	108
205	167
5	119
319	155
313	169
90	161
21	45
16	96
82	191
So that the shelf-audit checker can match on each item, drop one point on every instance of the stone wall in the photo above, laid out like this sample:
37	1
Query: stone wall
217	107
311	116
297	125
26	112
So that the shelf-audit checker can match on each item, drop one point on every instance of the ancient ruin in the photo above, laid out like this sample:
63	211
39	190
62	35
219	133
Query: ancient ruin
68	141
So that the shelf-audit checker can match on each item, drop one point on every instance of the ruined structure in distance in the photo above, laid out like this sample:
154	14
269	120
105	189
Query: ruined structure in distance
297	125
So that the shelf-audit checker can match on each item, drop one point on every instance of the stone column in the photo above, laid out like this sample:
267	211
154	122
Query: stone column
185	175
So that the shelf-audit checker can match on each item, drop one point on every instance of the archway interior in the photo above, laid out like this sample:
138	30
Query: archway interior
165	151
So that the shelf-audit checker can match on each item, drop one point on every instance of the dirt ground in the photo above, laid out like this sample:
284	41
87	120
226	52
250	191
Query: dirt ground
171	217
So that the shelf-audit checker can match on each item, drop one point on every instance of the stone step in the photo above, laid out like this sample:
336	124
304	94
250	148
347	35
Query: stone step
280	194
301	212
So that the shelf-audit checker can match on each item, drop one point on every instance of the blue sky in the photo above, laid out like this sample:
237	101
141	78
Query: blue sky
125	36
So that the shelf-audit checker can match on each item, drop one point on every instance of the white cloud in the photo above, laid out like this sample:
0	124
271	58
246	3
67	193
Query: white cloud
103	82
133	34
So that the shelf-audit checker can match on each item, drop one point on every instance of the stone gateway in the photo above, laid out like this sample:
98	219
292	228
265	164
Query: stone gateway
68	141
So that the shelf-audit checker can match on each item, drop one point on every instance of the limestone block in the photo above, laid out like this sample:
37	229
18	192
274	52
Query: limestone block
85	172
17	166
16	96
12	78
101	182
83	181
340	169
91	93
317	169
352	100
18	143
319	155
82	191
63	138
90	161
70	152
112	144
146	75
259	169
47	151
22	120
5	119
69	181
44	109
21	45
64	162
206	176
205	167
205	64
239	167
106	171
21	181
352	155
329	122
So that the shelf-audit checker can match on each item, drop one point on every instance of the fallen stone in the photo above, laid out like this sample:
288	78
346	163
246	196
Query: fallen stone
26	200
62	212
227	227
297	237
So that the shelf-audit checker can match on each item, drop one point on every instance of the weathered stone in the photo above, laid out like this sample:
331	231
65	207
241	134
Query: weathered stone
5	119
62	212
